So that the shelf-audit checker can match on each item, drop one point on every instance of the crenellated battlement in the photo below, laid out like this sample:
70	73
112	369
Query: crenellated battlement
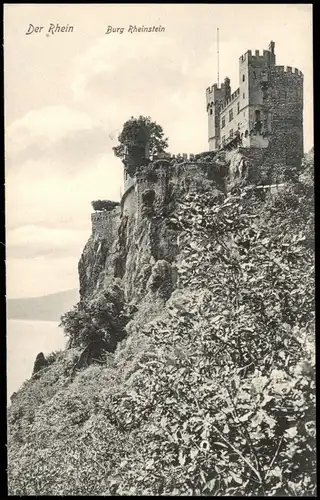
99	216
258	58
233	97
215	93
211	89
288	70
184	156
103	222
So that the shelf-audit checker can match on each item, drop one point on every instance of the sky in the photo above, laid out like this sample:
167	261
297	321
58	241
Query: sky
68	94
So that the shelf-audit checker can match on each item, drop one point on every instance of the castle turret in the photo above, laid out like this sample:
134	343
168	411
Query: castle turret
136	151
284	100
214	97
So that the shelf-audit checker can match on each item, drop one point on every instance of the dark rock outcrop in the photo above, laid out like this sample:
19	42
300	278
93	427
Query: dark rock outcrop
39	363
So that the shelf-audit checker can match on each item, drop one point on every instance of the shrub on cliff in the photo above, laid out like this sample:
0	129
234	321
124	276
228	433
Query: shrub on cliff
99	321
104	205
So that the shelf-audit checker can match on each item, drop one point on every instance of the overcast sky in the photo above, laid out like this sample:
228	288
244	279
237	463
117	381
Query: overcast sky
68	94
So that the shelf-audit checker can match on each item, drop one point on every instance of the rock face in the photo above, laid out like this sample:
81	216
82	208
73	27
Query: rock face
96	260
137	243
39	363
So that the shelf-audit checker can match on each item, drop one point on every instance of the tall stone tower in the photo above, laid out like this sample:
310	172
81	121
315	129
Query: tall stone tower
137	153
266	109
215	97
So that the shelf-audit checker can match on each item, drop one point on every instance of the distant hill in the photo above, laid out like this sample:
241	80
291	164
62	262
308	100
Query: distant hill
45	308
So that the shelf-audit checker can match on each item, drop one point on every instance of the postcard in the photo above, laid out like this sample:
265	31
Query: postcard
159	249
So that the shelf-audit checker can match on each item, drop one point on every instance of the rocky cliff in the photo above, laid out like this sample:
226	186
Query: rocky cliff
190	367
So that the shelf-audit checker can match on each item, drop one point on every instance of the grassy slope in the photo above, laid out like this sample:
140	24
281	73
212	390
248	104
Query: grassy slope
214	397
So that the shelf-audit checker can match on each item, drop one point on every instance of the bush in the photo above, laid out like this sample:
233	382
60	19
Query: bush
104	205
99	322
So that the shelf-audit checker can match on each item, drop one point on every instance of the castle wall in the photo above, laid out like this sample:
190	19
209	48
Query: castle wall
244	81
128	181
231	126
129	202
156	181
104	223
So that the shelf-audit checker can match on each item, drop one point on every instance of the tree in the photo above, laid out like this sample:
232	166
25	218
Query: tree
141	132
104	205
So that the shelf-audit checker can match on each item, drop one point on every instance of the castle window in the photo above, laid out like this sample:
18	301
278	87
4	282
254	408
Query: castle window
254	75
223	139
244	95
243	78
257	112
230	115
264	76
231	133
238	107
210	111
246	133
223	122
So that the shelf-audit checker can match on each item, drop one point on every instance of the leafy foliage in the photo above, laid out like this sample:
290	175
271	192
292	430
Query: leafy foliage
139	132
99	321
104	205
216	396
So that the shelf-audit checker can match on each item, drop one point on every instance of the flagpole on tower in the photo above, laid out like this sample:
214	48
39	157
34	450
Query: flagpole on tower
218	54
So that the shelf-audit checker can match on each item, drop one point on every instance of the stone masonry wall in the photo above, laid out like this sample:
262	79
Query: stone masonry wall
284	99
103	223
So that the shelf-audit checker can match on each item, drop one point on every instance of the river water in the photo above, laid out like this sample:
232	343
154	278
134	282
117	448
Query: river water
25	339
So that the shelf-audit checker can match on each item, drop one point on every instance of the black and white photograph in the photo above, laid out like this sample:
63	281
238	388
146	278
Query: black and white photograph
159	250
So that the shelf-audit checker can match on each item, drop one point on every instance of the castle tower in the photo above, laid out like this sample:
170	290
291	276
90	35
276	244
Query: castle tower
214	96
284	100
266	109
136	153
254	75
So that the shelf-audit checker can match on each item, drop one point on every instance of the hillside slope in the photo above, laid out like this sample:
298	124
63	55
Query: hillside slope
203	382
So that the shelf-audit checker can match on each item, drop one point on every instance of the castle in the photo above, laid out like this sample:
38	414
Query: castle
262	119
266	107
